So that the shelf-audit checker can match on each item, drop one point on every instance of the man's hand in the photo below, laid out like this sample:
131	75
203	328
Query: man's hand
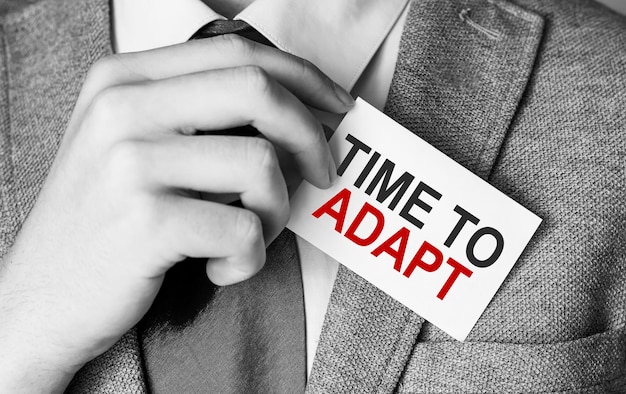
118	209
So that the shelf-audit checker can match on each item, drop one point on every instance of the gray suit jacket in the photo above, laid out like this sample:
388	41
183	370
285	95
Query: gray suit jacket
528	94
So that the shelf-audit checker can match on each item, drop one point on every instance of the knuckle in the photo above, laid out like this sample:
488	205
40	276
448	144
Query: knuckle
315	139
309	71
248	227
102	68
257	80
102	72
125	163
109	102
262	156
304	67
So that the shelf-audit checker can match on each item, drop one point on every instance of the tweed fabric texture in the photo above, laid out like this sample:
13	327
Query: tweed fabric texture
368	354
116	371
7	215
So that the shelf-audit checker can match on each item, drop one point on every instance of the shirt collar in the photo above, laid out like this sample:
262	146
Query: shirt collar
340	37
139	25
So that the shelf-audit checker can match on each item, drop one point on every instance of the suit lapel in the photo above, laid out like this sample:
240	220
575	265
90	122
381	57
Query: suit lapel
461	72
462	69
50	45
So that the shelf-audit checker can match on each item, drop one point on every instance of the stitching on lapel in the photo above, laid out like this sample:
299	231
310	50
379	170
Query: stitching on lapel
482	156
406	334
529	51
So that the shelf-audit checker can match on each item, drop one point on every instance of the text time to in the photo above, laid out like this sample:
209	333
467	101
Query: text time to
365	228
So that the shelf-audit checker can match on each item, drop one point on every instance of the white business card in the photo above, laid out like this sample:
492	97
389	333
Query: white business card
413	222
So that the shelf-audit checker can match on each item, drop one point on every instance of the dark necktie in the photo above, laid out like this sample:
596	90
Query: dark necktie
221	27
244	338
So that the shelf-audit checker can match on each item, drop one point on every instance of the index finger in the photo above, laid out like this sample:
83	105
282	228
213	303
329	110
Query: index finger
298	75
216	100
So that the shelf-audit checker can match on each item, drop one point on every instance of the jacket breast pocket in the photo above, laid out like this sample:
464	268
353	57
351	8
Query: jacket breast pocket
595	364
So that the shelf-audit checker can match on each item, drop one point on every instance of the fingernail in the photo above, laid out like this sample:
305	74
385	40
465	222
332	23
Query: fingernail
332	171
343	96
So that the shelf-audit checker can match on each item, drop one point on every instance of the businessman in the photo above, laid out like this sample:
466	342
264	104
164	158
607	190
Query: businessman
102	166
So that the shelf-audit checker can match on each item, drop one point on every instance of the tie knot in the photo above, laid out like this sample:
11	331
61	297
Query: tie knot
220	27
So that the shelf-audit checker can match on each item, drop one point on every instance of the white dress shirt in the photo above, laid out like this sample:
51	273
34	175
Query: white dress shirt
354	42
